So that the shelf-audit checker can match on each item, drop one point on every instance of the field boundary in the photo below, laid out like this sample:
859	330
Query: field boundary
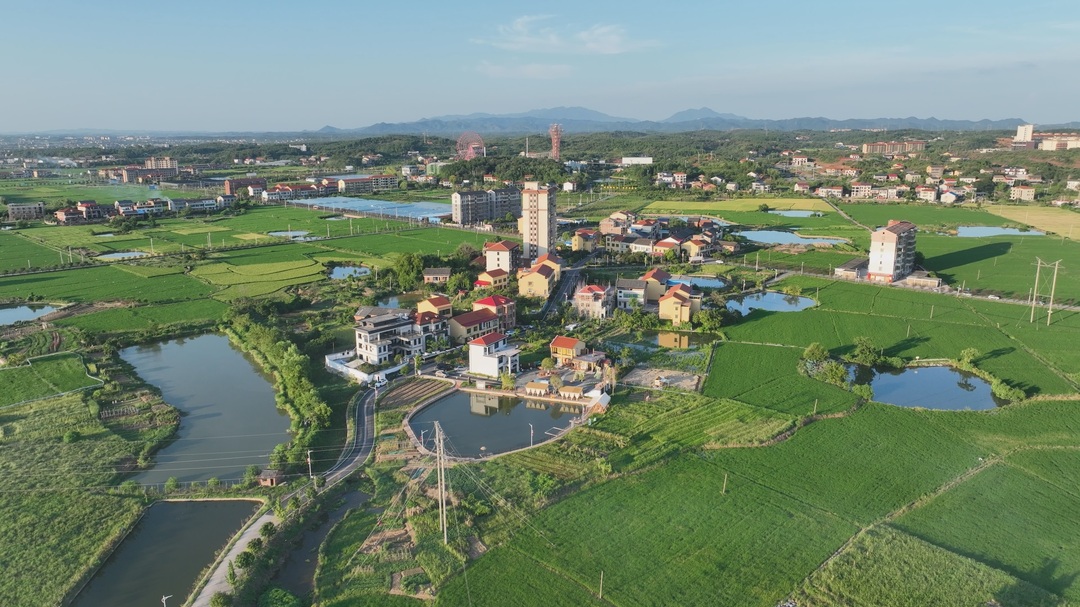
29	363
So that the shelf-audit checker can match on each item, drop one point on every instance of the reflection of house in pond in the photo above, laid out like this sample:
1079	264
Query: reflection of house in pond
483	404
671	339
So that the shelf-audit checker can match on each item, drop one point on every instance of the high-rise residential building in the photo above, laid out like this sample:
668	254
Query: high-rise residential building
892	252
477	206
161	163
1024	133
537	224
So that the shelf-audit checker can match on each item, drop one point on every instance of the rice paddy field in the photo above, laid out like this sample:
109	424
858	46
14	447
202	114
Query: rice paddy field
61	190
738	205
1054	220
43	377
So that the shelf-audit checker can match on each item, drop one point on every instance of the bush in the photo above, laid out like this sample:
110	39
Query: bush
267	530
245	559
71	436
278	597
221	599
413	583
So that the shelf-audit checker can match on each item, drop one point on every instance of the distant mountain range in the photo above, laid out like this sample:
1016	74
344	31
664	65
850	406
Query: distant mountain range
584	120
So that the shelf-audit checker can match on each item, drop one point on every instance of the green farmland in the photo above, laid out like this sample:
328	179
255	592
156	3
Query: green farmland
43	377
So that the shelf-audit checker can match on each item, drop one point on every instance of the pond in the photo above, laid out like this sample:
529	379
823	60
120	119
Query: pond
342	272
484	424
105	235
782	237
293	234
707	282
404	301
771	301
13	314
165	553
126	255
674	340
432	211
980	231
942	388
796	213
229	419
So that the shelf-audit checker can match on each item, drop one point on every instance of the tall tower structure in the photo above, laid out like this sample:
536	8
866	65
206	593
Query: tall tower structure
892	252
537	225
556	140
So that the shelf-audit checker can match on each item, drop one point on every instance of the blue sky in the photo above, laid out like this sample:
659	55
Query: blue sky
283	65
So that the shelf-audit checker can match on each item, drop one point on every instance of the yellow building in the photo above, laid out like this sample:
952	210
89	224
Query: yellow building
655	283
679	305
696	247
439	304
494	279
565	349
552	261
584	240
536	282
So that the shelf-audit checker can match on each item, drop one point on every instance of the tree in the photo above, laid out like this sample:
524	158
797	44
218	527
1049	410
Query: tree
556	381
465	252
815	352
507	380
866	353
863	391
172	484
245	559
459	282
268	529
764	208
221	599
408	268
547	364
255	545
278	597
968	355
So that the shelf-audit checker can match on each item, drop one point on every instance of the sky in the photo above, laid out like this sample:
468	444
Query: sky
270	65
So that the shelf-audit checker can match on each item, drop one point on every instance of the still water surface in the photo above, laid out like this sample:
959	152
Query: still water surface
13	314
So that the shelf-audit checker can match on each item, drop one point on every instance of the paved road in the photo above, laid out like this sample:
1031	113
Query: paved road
567	284
352	457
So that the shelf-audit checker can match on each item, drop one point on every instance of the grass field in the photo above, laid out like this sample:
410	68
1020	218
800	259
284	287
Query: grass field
43	377
20	253
145	317
105	283
59	191
739	204
890	568
928	217
1055	220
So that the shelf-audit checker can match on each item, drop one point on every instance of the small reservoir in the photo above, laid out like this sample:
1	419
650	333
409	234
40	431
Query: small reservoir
165	553
782	237
796	213
484	424
343	272
981	231
707	282
228	417
124	255
771	301
10	315
941	388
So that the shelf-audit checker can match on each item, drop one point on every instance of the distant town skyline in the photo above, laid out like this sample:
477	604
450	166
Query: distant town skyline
267	66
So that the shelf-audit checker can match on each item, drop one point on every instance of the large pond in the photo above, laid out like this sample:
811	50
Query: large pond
13	314
941	388
782	237
164	554
771	301
482	424
980	231
432	211
707	282
675	340
229	419
125	255
343	272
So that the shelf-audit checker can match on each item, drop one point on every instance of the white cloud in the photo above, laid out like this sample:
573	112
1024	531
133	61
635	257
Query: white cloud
530	34
532	71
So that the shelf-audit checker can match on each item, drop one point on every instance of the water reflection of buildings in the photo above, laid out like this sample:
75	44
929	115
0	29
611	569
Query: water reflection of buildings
490	404
671	339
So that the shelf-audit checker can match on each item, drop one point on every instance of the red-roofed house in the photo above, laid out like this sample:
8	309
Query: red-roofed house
469	325
495	279
503	307
536	282
594	301
490	356
437	304
656	281
679	304
505	255
564	349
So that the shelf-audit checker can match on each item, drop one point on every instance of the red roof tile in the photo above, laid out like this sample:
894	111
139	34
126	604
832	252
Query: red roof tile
487	340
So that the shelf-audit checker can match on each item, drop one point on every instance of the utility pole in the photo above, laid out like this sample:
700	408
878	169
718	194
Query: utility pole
439	455
1053	288
601	584
309	472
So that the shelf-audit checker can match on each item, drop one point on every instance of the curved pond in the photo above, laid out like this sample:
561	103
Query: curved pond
782	237
164	554
12	314
980	231
229	419
772	301
125	255
343	272
484	424
941	388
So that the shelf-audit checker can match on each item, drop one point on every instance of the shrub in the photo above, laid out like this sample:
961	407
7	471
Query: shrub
221	599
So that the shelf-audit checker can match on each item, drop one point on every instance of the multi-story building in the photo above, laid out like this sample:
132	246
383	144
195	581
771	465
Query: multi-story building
893	147
495	279
594	301
491	356
618	223
629	293
679	304
537	224
504	255
438	305
161	163
18	211
200	204
503	307
892	252
584	239
656	282
470	325
926	192
384	333
1022	192
478	206
536	281
436	276
860	189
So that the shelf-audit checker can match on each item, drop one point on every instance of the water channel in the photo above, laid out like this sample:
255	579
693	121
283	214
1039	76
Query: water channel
483	424
942	388
125	255
164	553
772	301
228	415
10	315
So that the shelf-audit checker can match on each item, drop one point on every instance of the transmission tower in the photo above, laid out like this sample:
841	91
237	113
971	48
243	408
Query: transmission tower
441	465
556	140
1039	265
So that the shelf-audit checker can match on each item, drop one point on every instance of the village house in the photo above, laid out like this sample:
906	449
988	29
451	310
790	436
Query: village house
438	305
1022	192
495	279
801	186
504	255
436	276
926	192
656	282
536	281
829	191
629	293
491	356
860	189
503	307
385	333
470	325
594	301
584	239
679	304
572	352
552	261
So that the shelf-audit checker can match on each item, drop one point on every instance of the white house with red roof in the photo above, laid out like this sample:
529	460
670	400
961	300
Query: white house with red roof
594	301
504	255
491	356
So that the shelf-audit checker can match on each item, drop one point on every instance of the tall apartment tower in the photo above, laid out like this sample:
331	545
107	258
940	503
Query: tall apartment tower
537	224
892	252
1024	133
